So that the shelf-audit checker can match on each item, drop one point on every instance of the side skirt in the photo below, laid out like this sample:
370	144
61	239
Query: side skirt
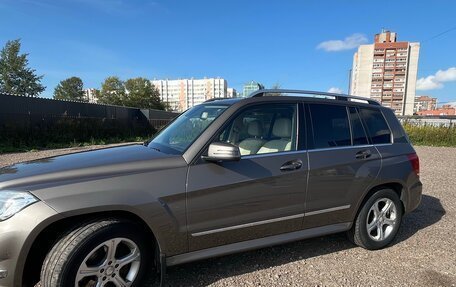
257	243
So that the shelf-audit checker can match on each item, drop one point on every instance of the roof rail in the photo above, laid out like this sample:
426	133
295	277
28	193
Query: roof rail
215	99
303	93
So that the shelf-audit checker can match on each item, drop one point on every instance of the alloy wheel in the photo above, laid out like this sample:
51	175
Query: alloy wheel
114	262
381	219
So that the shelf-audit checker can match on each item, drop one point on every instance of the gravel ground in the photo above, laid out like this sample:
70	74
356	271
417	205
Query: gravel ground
423	254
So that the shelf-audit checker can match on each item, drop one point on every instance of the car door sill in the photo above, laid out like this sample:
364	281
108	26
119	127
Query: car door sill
257	243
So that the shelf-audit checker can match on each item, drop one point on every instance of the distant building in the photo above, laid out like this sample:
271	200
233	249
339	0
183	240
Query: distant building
251	87
445	110
231	93
91	95
423	103
185	93
386	71
451	104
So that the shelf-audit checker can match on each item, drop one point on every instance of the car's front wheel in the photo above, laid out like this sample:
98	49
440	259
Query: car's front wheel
99	253
378	220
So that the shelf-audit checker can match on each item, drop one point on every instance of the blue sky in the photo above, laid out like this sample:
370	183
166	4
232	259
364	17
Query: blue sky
267	41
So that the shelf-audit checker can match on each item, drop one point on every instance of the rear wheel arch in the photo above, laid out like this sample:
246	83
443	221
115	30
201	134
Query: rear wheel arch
378	220
53	232
395	186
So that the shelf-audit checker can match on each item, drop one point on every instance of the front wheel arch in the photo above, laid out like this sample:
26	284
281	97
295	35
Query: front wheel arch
53	232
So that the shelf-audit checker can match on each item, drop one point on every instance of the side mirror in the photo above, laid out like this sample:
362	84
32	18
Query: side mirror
219	151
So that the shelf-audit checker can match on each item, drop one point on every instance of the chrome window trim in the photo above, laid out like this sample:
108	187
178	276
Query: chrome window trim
273	154
341	147
315	212
251	224
384	144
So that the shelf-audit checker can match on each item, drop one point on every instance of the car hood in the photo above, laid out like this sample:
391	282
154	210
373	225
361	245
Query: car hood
86	165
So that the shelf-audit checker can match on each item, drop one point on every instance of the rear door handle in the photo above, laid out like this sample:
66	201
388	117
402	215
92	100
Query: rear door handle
291	165
363	154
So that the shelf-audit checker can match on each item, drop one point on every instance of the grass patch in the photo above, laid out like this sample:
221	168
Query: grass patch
431	135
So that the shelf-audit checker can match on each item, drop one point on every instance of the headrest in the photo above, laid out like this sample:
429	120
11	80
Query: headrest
255	129
282	128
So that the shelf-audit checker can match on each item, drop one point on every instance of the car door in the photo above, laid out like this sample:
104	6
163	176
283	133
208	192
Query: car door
342	161
262	194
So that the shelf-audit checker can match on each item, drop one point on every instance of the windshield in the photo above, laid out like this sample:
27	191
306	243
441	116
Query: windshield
183	131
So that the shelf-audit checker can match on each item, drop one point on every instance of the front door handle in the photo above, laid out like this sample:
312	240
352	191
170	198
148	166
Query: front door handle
363	154
291	165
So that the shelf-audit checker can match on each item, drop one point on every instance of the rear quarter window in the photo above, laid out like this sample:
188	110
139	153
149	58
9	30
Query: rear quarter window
377	128
399	133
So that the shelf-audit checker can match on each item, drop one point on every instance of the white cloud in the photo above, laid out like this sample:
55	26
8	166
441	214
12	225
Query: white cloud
428	83
335	90
436	81
348	43
446	76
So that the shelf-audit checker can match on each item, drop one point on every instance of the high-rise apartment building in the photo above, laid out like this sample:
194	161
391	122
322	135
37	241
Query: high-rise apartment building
185	93
386	71
251	87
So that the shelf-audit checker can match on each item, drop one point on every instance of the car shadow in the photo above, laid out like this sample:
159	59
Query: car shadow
203	273
429	212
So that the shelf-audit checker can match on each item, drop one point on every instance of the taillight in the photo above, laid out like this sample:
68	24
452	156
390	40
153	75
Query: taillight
415	162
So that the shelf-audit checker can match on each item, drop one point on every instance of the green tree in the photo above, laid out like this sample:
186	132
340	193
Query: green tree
70	89
15	75
141	93
112	92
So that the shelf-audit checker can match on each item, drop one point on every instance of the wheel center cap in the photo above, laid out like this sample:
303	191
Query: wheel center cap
110	270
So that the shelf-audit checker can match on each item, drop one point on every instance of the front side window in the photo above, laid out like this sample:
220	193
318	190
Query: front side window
262	129
376	126
330	126
182	132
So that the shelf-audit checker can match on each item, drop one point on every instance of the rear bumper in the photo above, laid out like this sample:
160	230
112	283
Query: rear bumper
415	192
16	237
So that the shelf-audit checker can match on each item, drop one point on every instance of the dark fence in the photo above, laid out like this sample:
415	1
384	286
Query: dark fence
437	121
37	121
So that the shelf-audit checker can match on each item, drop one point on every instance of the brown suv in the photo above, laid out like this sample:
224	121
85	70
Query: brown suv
225	176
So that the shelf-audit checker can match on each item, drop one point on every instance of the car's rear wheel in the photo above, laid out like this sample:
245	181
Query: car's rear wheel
100	253
378	221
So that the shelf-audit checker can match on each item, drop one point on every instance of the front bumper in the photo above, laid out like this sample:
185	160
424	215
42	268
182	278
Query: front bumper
16	237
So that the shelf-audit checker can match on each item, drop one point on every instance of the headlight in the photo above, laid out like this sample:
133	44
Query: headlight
11	202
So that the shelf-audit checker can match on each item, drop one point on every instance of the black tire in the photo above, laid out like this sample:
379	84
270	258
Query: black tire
359	235
62	262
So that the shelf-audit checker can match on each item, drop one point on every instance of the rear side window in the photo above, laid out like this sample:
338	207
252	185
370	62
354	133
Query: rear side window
359	135
330	125
376	126
399	134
